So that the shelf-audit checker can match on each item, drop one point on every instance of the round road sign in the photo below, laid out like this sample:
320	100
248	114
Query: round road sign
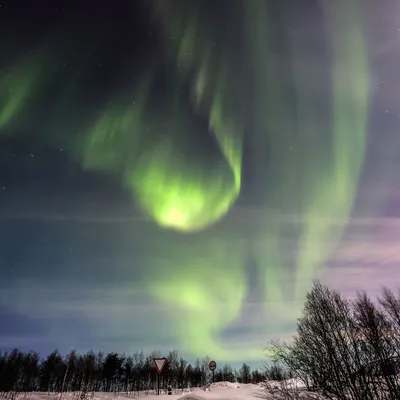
212	365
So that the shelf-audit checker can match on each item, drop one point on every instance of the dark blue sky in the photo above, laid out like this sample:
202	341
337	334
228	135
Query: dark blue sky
77	256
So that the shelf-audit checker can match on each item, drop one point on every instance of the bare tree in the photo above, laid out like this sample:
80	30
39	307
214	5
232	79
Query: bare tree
84	374
244	374
205	372
345	350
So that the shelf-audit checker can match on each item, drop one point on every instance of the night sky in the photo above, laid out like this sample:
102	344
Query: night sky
174	174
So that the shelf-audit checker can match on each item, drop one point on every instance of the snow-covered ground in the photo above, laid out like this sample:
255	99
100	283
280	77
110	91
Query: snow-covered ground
216	391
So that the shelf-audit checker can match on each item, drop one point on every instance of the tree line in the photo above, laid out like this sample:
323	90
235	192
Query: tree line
98	372
344	348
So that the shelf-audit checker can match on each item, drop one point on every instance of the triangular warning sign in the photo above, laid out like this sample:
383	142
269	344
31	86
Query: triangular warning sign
160	364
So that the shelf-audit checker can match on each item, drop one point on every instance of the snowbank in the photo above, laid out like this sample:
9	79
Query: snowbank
215	391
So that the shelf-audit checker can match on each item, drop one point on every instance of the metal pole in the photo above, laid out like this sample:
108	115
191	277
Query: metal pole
158	384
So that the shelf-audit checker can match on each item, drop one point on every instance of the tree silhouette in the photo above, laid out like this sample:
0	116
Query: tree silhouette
345	349
113	372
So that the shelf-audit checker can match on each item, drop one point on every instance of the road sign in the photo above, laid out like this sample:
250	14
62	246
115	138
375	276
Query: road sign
212	365
160	363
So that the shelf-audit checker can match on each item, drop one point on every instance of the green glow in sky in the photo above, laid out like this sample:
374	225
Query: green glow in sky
197	284
18	86
315	165
150	152
314	158
172	185
333	191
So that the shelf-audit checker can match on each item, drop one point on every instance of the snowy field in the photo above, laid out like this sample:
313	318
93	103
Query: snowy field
216	391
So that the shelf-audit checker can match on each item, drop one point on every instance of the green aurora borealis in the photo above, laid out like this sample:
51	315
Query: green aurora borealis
237	89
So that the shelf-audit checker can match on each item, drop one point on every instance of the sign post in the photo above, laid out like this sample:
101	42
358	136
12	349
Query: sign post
160	364
212	365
